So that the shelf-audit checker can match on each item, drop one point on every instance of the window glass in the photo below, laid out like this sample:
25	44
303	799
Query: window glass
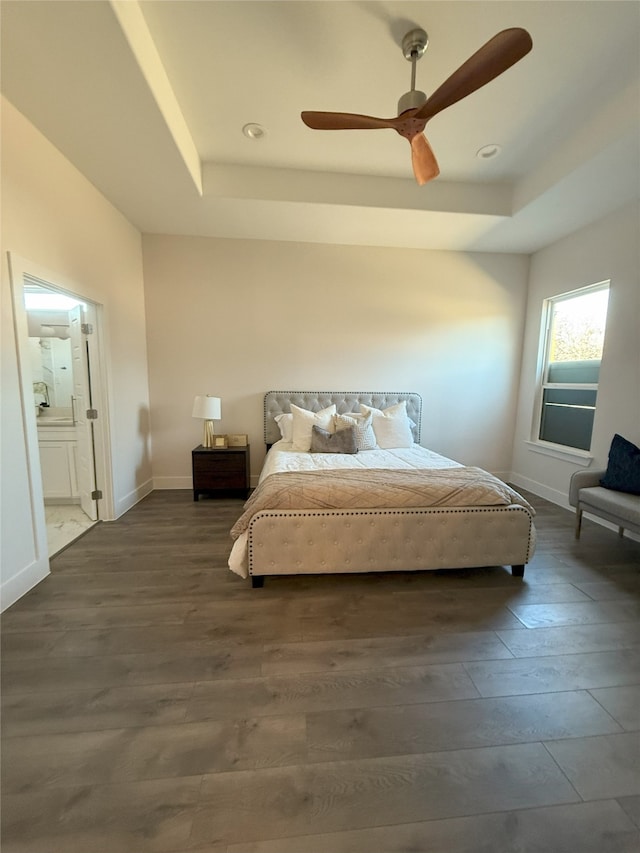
574	338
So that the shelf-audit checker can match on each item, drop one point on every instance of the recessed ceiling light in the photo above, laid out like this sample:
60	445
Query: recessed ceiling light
254	131
488	152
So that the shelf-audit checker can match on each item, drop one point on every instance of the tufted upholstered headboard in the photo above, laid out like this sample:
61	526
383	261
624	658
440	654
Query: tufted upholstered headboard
277	402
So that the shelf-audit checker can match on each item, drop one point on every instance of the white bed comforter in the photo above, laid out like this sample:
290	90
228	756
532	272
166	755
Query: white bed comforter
282	458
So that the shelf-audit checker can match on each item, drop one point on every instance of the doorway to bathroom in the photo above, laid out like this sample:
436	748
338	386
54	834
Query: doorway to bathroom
58	326
64	405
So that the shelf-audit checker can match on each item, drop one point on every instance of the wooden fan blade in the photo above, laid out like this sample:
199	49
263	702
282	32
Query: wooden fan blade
497	55
344	121
425	165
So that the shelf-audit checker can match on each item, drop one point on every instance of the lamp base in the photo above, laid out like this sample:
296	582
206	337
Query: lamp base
209	434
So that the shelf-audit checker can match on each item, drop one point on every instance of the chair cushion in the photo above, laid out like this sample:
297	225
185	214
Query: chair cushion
620	504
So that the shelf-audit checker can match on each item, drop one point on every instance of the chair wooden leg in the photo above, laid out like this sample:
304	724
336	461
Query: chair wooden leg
578	522
621	531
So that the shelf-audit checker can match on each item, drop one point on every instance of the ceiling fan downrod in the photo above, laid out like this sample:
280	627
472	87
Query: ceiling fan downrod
414	45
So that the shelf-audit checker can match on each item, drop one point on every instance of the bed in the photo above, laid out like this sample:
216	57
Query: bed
382	508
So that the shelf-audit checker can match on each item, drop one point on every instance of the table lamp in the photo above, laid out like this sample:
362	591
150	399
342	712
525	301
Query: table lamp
207	407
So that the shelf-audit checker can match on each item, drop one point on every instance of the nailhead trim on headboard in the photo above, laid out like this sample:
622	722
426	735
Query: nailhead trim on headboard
278	402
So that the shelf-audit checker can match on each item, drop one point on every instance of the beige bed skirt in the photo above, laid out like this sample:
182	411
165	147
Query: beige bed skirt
287	542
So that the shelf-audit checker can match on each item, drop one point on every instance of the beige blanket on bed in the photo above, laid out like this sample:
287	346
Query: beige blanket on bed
377	488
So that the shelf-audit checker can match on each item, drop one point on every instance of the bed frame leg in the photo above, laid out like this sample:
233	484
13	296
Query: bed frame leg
517	571
257	581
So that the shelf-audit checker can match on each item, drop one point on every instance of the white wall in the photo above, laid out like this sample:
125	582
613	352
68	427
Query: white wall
53	217
238	318
607	249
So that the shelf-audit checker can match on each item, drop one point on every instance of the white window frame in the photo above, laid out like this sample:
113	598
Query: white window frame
537	444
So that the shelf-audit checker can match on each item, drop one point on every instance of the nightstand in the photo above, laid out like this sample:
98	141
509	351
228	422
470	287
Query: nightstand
220	471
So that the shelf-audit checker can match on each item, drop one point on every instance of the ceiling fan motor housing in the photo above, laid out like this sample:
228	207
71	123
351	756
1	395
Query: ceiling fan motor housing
414	44
412	100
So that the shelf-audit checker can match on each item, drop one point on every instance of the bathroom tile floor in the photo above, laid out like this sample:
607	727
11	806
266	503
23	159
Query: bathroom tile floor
65	522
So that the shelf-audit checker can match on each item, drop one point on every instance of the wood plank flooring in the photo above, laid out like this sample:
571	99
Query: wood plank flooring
152	702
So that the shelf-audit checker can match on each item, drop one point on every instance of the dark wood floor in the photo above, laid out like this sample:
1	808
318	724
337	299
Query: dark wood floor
153	701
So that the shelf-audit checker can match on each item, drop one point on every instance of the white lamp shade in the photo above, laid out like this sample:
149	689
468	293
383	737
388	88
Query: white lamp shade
207	407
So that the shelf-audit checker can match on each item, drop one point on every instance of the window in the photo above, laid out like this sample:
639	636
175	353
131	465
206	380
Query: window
573	338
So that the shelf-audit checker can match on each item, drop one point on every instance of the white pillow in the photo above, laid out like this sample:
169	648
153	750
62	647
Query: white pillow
303	422
363	428
392	426
285	425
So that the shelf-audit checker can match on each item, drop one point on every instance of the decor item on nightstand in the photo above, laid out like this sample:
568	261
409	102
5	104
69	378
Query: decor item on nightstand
220	441
208	407
237	440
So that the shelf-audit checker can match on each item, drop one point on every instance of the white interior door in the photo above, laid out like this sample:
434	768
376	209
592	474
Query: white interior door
84	425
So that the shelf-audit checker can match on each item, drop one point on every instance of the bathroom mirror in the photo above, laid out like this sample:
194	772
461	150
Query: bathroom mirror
52	371
49	317
51	359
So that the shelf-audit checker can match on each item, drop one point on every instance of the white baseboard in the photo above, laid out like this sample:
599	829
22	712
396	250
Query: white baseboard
187	482
18	585
539	489
161	483
134	497
561	499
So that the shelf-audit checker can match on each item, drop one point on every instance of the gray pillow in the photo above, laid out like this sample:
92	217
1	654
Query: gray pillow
363	425
323	441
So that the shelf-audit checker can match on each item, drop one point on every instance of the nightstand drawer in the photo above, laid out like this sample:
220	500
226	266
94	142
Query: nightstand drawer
221	466
220	470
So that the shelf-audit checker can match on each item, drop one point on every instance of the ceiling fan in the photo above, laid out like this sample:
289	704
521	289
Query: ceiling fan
415	109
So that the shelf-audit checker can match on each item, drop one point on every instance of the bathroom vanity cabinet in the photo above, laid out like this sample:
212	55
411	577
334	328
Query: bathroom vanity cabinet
58	463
